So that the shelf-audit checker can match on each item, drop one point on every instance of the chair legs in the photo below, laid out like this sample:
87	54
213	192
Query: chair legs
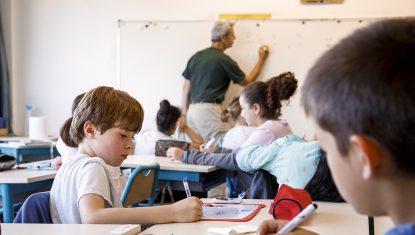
170	193
167	186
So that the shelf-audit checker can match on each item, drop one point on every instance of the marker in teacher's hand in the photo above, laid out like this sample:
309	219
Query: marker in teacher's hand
186	188
301	217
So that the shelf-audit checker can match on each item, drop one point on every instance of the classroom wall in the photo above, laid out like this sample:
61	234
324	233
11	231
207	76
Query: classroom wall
60	48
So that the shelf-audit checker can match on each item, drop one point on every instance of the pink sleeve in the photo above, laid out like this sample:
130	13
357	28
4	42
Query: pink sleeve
259	136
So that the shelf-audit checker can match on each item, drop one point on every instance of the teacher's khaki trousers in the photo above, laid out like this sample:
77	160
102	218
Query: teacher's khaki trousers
204	118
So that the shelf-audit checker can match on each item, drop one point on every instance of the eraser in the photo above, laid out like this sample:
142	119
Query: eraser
127	229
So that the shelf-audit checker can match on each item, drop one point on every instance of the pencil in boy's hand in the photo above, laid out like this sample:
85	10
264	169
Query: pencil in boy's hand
301	217
186	187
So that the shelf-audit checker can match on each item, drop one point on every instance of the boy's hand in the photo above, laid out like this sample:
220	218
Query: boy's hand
174	153
272	226
187	210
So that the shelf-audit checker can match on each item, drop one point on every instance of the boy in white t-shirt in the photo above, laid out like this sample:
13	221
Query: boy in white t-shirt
84	190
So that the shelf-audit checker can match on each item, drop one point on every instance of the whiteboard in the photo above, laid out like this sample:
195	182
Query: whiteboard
153	55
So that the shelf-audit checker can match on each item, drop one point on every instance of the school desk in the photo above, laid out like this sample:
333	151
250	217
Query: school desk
61	229
201	178
21	180
330	218
18	150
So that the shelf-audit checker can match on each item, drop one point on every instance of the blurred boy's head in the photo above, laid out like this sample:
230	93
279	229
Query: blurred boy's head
105	108
361	97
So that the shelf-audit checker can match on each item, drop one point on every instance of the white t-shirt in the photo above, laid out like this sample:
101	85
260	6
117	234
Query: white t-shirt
82	175
65	151
236	136
145	141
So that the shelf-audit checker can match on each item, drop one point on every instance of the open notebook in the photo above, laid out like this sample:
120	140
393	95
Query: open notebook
230	212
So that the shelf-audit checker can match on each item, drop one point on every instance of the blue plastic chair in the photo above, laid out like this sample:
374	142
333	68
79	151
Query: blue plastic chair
141	185
35	209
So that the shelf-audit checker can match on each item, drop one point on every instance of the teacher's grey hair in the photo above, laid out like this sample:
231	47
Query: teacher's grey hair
221	28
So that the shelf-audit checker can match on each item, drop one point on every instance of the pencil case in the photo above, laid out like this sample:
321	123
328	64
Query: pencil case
289	202
6	162
163	145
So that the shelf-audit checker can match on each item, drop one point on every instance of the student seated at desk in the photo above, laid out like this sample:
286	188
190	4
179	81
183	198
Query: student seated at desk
103	127
168	120
261	107
360	97
291	159
70	149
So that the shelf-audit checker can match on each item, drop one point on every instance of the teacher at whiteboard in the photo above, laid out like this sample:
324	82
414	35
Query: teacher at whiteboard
207	77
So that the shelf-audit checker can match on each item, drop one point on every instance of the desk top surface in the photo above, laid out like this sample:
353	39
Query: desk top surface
24	176
330	218
166	164
23	145
61	229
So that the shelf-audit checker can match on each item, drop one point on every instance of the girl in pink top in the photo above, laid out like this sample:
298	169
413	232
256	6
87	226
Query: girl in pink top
261	107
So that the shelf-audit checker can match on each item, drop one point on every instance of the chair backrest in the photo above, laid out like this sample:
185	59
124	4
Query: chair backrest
261	184
35	209
141	185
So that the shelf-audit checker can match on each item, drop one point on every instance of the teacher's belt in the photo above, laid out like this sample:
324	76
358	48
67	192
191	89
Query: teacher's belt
205	102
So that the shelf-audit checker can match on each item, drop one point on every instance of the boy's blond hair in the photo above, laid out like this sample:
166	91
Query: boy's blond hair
106	107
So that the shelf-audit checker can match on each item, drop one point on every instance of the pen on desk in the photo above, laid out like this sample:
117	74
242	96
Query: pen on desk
186	188
294	223
242	195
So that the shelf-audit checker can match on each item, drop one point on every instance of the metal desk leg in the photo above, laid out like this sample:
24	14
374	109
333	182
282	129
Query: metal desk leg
16	154
19	156
8	209
371	225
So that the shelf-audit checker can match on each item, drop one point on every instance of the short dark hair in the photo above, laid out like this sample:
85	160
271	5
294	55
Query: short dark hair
268	95
366	85
167	116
